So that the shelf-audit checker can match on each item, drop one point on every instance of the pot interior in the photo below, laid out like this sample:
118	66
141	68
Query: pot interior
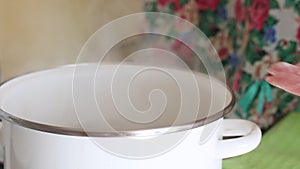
113	99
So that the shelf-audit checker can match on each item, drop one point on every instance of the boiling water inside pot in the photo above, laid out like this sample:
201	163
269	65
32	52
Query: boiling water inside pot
114	98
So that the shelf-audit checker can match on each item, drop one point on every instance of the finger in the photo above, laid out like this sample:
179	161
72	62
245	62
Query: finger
285	81
283	67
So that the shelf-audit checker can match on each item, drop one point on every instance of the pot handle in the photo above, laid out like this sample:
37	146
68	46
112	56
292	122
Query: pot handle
245	134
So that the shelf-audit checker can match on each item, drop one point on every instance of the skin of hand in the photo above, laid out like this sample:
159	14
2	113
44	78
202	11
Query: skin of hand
285	76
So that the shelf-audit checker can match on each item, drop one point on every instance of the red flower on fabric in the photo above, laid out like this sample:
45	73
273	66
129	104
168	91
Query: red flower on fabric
298	35
164	3
175	3
223	53
259	11
240	11
208	4
236	80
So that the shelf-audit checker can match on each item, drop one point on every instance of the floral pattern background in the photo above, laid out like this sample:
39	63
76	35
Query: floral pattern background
248	38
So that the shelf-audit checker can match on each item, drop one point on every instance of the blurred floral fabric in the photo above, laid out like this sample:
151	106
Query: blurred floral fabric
249	36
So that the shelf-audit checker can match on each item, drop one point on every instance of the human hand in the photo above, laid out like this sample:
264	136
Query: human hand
285	76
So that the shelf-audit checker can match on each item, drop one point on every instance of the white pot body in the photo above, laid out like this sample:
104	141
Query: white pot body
37	130
30	149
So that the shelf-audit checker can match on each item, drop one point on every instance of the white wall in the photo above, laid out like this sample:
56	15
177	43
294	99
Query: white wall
37	34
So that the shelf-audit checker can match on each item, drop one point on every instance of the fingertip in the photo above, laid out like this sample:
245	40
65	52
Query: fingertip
269	79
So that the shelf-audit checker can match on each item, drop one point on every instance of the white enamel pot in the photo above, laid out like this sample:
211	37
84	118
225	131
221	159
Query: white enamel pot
49	121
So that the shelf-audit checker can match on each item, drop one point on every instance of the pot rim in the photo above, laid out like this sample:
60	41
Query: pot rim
131	133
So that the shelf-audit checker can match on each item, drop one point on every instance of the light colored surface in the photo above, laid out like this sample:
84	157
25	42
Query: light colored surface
37	34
